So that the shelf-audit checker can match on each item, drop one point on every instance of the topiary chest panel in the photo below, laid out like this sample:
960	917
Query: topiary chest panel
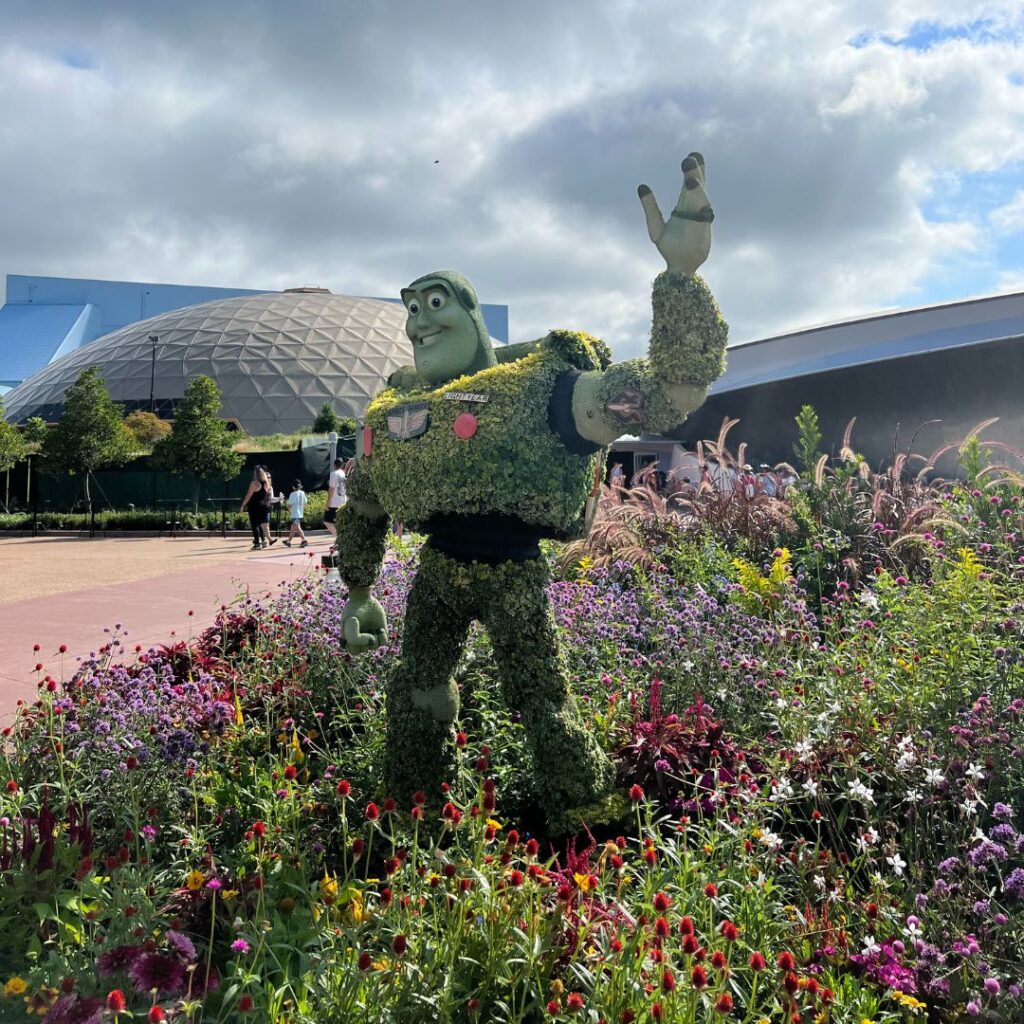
479	444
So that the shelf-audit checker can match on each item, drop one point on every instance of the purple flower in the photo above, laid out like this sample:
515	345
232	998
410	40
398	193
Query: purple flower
974	1008
213	883
1013	885
1002	812
1003	833
992	986
120	958
949	865
73	1010
157	971
986	851
182	945
240	946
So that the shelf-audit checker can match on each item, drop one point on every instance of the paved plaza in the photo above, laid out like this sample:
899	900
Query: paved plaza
67	590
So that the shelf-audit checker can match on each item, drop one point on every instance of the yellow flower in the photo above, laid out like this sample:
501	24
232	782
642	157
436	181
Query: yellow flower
328	886
585	882
494	824
229	894
912	1004
15	986
194	880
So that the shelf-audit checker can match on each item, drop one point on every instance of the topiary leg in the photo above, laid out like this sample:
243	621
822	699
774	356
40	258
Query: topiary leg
572	768
422	698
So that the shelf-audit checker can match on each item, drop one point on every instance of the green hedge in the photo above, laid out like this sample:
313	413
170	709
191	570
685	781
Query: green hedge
148	519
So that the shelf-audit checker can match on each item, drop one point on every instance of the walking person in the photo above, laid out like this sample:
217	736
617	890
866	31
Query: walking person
296	510
257	503
337	496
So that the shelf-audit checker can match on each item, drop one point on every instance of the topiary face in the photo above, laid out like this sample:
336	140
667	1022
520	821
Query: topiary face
447	338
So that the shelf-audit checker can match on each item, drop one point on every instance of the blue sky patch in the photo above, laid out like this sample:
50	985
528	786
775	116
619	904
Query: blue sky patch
923	35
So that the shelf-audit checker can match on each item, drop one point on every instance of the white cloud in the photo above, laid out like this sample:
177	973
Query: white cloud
257	146
1009	218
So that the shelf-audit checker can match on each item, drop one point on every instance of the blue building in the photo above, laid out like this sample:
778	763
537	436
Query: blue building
47	318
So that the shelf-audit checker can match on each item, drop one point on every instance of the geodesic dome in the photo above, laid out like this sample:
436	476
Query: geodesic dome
276	359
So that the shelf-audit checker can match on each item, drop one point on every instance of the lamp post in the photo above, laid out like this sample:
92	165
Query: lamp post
152	372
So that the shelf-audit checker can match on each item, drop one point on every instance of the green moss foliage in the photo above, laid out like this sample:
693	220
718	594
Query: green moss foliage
423	701
688	334
512	465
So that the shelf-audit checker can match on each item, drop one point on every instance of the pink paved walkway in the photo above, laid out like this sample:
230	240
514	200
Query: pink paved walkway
153	611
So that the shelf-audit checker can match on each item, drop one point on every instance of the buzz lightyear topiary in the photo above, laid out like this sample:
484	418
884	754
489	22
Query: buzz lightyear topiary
487	451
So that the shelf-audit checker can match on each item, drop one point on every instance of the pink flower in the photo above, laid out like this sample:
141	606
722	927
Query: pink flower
240	946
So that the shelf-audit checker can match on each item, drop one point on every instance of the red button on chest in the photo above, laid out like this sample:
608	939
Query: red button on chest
465	425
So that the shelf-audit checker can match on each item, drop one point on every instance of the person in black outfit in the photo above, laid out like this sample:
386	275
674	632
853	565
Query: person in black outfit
257	503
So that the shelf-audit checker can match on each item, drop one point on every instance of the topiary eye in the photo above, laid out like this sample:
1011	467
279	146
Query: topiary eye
436	300
413	306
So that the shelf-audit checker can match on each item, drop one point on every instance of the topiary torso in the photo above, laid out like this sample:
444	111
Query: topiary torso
514	465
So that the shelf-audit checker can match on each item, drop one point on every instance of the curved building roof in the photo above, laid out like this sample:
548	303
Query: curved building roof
276	358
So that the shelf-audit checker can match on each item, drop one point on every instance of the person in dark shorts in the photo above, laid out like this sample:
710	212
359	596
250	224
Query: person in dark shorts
257	503
337	496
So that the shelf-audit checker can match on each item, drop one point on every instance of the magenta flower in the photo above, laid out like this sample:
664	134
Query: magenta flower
213	883
240	946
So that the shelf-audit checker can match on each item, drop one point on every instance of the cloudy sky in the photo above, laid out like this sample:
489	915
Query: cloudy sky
861	155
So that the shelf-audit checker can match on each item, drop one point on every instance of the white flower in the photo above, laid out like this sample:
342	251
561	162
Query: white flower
975	773
866	840
869	599
782	790
870	946
897	863
905	760
771	840
781	703
803	749
913	930
913	796
934	777
238	924
810	787
970	806
819	881
906	743
686	666
858	791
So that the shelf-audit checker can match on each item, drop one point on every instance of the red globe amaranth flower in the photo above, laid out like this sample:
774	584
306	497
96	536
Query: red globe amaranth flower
259	829
636	793
668	981
699	978
661	902
358	847
627	1017
343	788
365	961
686	926
291	771
115	1000
711	890
661	927
515	878
419	798
690	944
554	1007
245	1004
461	739
723	1004
155	1015
451	813
786	961
657	1012
574	1001
372	812
757	962
12	786
389	805
791	983
729	931
718	960
399	944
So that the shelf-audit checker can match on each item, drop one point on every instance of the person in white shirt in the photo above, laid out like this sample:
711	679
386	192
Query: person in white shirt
337	496
296	510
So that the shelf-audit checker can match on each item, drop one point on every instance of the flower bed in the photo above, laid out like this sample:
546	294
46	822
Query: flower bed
819	812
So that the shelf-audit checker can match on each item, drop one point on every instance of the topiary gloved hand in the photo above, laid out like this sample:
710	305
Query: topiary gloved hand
363	621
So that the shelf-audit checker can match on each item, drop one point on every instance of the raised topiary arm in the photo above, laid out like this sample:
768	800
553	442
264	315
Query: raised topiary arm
688	334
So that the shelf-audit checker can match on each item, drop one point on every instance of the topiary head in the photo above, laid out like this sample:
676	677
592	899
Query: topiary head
446	327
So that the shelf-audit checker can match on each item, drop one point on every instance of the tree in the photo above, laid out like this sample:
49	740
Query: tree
33	433
91	433
147	429
326	420
199	443
12	451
